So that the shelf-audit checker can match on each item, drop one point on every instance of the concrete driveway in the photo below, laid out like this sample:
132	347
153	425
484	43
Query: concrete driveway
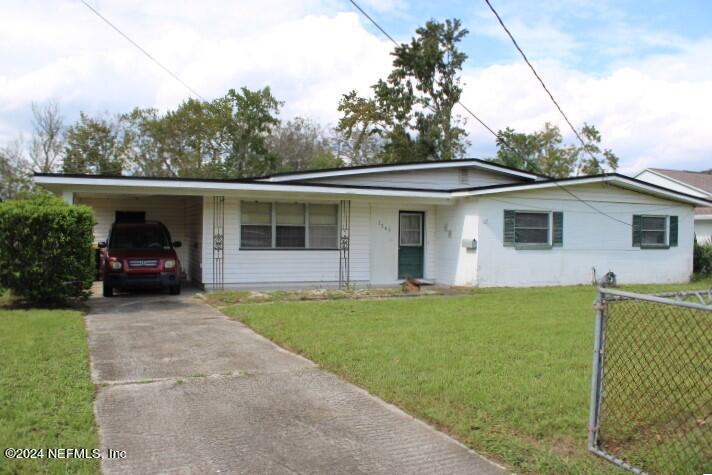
184	389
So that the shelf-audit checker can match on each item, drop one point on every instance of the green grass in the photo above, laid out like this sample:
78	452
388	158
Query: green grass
46	393
506	371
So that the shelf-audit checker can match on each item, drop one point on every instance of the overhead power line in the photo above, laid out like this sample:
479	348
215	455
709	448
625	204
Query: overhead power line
142	50
497	136
382	30
541	81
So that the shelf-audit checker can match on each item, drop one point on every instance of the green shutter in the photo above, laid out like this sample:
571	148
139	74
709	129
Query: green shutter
637	226
673	231
558	231
509	217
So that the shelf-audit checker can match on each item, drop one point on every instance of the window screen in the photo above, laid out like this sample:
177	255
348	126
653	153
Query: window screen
256	229
290	225
531	228
653	230
411	229
323	226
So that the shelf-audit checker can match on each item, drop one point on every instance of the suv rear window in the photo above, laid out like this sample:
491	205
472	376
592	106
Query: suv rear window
143	236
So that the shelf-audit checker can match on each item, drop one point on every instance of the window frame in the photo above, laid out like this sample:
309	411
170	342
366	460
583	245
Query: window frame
421	229
665	231
549	230
307	225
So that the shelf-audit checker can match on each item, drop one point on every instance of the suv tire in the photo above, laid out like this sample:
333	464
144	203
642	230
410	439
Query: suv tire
108	290
174	290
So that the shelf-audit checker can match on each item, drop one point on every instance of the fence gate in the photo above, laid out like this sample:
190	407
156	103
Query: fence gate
651	397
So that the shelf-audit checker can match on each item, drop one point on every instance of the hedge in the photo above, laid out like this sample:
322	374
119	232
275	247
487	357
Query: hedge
46	249
702	258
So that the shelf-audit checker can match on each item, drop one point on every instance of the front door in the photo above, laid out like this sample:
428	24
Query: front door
410	244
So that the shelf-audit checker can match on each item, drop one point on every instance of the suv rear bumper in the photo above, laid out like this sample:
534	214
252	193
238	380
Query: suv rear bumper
128	280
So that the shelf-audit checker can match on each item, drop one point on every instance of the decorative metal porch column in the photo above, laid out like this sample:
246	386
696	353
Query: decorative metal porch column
218	241
345	244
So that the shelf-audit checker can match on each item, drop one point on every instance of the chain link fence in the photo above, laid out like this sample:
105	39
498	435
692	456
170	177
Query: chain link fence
651	398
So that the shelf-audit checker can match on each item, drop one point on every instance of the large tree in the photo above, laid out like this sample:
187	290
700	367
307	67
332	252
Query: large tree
47	143
14	171
412	109
223	138
95	146
302	144
545	152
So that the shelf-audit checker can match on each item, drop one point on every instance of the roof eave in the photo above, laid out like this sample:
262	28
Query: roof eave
621	180
211	187
385	168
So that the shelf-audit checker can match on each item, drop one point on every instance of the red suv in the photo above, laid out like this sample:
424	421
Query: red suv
139	255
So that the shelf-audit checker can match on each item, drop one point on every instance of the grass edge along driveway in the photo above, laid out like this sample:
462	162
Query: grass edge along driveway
46	393
506	371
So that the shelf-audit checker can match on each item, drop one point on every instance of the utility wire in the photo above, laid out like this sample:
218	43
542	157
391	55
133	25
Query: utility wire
556	103
385	33
541	81
142	50
489	129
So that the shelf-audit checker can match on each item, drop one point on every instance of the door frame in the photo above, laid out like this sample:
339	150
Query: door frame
422	241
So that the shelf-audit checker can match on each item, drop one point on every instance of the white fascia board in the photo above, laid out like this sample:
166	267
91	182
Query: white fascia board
398	168
693	189
157	186
703	217
615	180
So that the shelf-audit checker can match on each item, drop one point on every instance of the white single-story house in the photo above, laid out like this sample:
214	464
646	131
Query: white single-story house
463	222
692	183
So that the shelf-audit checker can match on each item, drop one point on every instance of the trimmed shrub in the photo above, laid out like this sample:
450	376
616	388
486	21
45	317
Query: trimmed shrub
702	258
46	251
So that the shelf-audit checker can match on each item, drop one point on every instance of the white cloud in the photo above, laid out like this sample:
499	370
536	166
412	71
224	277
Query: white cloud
645	114
652	112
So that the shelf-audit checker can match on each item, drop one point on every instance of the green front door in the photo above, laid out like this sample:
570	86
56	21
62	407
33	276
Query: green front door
410	244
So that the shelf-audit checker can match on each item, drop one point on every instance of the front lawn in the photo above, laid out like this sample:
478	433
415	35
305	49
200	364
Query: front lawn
46	393
506	371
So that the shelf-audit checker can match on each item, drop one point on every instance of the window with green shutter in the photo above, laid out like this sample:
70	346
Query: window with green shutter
533	229
654	232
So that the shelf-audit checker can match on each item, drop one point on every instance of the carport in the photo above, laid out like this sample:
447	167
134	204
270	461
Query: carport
182	215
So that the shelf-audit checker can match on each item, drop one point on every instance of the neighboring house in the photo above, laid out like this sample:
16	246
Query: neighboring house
462	222
693	183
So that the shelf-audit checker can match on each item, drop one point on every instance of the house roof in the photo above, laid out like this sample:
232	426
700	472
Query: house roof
699	180
186	186
402	166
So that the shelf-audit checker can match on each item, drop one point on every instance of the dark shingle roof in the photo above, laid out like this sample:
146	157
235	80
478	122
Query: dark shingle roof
701	180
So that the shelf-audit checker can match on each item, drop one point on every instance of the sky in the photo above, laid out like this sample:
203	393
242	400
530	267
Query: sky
641	71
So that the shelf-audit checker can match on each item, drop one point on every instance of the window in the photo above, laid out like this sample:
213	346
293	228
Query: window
655	231
652	231
323	226
256	229
531	228
291	230
411	229
289	226
538	229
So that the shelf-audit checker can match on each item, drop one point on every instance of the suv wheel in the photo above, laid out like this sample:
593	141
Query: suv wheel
108	290
174	290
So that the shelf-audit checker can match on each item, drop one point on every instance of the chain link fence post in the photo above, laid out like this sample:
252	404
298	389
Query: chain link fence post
651	391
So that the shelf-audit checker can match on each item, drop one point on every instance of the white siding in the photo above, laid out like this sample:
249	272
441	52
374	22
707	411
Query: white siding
374	251
703	230
456	264
590	240
437	179
384	242
656	179
263	268
170	210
